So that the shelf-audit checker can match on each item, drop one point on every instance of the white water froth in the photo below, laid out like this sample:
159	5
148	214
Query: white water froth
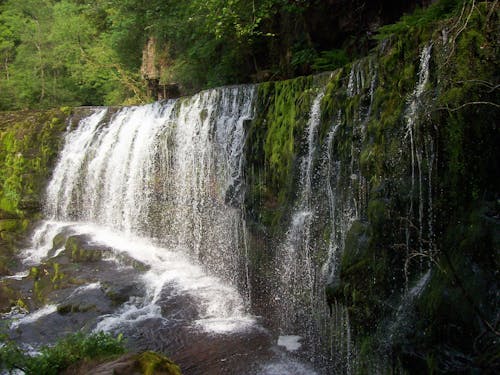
41	241
291	343
287	366
34	316
77	143
220	306
17	276
85	288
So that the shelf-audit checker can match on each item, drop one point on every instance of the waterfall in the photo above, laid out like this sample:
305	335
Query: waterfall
332	171
163	183
206	174
295	268
421	152
105	170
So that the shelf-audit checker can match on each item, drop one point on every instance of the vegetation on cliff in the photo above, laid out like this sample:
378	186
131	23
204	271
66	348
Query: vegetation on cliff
413	133
29	144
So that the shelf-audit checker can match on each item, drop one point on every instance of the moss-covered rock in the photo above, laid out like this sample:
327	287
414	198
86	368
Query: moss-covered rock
78	249
29	144
46	278
153	363
8	297
69	308
145	363
414	153
273	145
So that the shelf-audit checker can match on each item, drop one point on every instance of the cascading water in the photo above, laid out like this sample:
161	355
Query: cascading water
163	184
175	165
295	268
341	184
206	175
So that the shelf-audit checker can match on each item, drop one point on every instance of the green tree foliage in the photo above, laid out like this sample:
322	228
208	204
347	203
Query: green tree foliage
61	52
83	52
78	52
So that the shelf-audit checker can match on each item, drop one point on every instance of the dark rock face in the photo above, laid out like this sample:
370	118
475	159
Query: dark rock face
401	207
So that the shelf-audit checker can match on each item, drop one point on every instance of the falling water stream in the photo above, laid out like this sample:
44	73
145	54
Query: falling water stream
161	185
295	261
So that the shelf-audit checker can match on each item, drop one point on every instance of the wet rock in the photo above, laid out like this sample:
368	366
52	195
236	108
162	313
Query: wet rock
356	247
147	363
80	249
46	278
120	293
84	300
178	306
72	308
131	262
58	241
8	296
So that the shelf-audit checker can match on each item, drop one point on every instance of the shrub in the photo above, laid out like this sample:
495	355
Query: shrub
54	359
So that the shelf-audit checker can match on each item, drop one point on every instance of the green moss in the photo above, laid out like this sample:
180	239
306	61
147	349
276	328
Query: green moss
29	144
59	240
153	363
57	274
70	308
47	278
77	250
276	133
10	225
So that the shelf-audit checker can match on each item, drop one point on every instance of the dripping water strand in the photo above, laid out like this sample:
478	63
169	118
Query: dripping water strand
412	117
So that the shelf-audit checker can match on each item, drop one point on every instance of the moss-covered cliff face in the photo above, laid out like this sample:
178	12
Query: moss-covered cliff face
406	233
29	144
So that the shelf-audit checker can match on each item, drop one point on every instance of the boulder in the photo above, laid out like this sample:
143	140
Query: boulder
146	363
80	249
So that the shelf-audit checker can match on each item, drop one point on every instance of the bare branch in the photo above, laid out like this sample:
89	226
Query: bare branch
467	104
490	85
454	38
